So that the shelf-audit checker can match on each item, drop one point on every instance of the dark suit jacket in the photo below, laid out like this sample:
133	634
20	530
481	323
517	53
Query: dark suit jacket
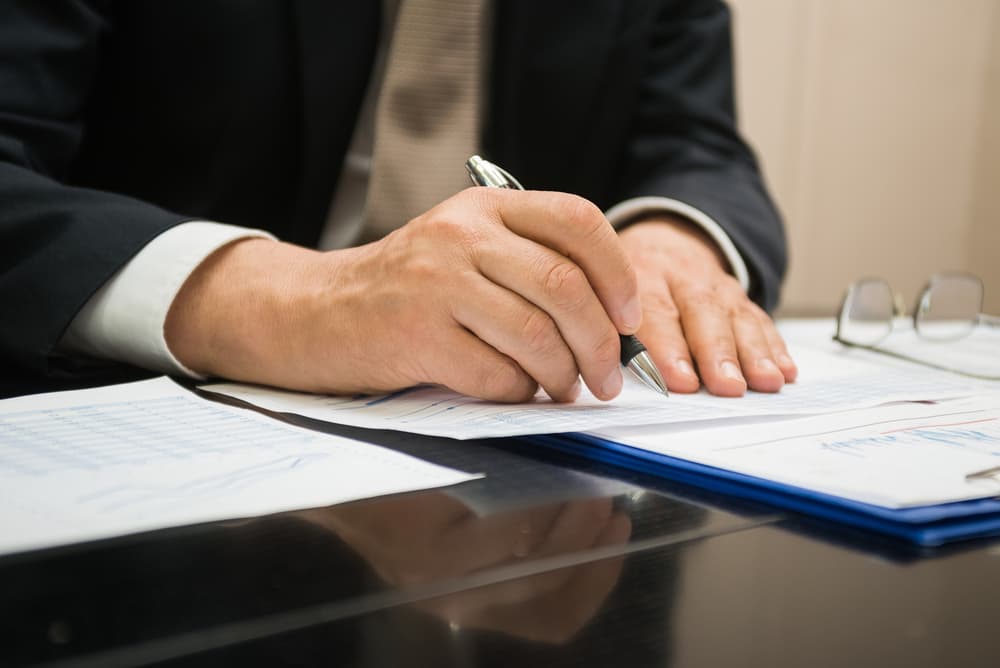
121	119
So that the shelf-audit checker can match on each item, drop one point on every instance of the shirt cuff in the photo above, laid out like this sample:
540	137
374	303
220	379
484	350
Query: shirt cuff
633	208
124	320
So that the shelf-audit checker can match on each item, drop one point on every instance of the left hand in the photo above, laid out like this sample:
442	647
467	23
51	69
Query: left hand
697	320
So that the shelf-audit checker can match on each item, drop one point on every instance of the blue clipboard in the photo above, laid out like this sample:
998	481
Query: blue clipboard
928	526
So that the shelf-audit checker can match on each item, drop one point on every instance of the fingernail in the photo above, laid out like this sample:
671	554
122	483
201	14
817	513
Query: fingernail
764	364
730	370
684	367
612	384
632	314
574	392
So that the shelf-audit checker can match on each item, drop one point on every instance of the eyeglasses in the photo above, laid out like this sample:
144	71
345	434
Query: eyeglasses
948	309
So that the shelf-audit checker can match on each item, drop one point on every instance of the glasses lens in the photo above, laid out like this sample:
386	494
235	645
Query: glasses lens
949	306
866	317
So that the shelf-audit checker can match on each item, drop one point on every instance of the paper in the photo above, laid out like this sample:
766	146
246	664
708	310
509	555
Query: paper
896	456
440	412
827	382
978	353
91	464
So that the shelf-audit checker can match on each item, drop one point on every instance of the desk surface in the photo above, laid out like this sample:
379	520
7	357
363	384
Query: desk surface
561	563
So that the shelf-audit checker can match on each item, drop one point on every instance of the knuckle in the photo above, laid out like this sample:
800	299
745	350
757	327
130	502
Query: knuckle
659	305
712	346
422	268
538	331
607	349
463	236
743	311
580	212
451	229
588	221
699	297
723	346
565	284
504	377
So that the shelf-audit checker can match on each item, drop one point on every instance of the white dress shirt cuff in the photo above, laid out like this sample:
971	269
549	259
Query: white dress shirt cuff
633	208
124	320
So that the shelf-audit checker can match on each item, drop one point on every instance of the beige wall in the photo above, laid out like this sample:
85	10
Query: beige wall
878	124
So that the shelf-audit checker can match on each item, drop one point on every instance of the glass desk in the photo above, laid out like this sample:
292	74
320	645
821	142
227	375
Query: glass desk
545	562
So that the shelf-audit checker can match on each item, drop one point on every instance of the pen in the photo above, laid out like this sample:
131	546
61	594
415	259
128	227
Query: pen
634	356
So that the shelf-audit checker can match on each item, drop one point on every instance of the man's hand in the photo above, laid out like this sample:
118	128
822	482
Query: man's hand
697	317
490	293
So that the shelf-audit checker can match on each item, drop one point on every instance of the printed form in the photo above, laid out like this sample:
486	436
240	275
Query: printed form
897	456
827	383
90	464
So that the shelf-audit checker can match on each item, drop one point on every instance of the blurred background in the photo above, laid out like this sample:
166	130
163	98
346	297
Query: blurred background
878	125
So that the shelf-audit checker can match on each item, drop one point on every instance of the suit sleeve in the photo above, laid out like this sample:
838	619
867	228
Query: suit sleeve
685	144
58	243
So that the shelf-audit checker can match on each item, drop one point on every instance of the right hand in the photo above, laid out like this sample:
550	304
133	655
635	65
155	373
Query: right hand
491	293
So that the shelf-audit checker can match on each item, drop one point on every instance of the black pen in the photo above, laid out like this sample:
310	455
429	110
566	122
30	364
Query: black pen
634	356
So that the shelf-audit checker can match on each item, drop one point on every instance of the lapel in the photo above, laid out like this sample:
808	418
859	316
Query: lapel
549	63
336	46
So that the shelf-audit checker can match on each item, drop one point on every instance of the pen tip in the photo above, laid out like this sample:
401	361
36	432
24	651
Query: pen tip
642	367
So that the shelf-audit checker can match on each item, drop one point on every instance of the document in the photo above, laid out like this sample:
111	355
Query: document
827	382
436	411
896	456
977	354
90	464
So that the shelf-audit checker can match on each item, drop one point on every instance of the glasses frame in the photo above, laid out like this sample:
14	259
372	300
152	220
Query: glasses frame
899	311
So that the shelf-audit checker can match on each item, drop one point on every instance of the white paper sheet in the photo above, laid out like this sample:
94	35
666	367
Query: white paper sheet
979	352
896	456
90	464
827	382
439	412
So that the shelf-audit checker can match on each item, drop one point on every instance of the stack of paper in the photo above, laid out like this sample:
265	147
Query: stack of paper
860	437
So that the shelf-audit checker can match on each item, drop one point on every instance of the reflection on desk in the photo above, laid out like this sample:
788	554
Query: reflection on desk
286	587
394	582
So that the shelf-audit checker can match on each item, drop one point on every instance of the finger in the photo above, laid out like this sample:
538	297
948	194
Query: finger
779	350
709	334
757	363
577	229
663	336
469	366
522	331
560	288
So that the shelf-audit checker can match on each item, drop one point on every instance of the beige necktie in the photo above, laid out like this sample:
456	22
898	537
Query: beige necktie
427	116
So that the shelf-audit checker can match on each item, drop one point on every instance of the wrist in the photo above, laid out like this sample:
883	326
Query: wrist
224	319
684	240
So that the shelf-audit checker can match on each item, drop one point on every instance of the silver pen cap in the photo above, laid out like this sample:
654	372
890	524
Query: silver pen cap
485	173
